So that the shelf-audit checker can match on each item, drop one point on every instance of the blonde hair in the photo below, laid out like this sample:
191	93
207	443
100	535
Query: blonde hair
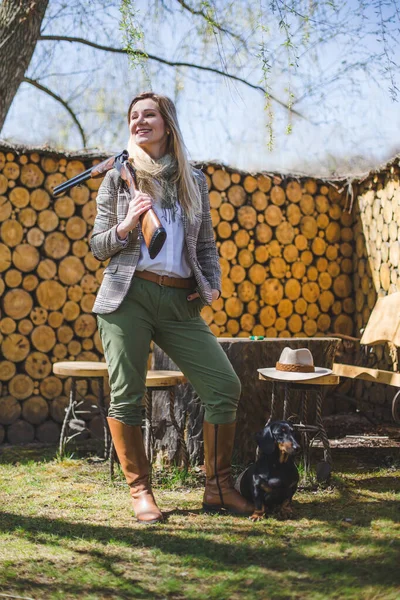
188	190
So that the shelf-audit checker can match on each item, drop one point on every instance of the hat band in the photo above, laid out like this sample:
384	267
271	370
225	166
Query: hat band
295	368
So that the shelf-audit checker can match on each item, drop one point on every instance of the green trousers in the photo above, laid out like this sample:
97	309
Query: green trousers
163	314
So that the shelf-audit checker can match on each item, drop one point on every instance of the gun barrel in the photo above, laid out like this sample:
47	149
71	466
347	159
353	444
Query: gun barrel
98	170
66	185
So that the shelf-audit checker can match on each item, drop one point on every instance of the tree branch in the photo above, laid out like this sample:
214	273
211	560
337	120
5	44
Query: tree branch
63	38
212	22
41	87
335	77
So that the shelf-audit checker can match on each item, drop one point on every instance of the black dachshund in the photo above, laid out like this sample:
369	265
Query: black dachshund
272	480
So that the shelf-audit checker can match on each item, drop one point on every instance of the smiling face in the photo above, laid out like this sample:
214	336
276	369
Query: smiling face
148	128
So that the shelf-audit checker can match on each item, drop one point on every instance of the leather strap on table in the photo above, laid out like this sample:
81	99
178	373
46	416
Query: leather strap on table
176	282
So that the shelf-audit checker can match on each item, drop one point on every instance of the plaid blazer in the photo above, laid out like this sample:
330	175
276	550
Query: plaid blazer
112	205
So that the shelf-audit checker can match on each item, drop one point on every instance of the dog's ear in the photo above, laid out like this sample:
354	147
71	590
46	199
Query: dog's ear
265	440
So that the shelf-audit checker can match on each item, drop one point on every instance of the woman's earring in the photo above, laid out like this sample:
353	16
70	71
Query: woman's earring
168	132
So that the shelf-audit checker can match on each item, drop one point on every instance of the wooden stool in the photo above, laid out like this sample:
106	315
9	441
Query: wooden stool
78	370
308	432
155	380
159	381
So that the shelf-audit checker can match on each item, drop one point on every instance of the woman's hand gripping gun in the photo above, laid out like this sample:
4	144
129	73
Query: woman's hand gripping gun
153	232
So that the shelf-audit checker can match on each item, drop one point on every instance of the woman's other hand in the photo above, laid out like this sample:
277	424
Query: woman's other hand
215	295
138	205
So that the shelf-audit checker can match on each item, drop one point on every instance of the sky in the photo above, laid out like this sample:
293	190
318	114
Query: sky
349	126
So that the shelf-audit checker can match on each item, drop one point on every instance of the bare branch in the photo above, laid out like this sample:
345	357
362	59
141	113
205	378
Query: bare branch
41	87
393	89
324	83
62	38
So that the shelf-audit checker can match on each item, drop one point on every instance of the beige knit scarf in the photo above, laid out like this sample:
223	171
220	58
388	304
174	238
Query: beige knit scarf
158	178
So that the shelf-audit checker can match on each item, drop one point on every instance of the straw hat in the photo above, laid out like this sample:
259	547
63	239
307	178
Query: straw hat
295	365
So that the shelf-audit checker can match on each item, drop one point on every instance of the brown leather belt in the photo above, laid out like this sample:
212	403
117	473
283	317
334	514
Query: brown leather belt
177	282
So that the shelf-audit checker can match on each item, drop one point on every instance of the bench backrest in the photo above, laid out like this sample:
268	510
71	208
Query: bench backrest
384	322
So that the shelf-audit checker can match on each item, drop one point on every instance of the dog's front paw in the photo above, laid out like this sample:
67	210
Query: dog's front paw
286	511
257	515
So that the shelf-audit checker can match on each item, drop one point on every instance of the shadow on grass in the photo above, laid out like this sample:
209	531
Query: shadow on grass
130	588
353	500
27	454
379	483
266	559
38	452
203	549
357	459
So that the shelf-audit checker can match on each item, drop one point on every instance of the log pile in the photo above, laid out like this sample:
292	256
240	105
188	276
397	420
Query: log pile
286	249
293	263
376	273
48	283
377	243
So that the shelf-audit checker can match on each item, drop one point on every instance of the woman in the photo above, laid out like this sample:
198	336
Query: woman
142	300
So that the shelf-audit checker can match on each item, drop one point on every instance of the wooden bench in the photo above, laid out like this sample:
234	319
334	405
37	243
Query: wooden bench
383	327
375	375
73	425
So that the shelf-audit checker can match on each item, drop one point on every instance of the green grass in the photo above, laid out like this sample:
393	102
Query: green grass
66	532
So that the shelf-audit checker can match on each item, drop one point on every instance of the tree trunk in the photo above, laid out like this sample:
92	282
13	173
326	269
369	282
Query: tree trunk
20	22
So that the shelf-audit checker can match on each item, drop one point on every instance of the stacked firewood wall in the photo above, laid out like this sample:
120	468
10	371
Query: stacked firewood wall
286	248
376	274
48	283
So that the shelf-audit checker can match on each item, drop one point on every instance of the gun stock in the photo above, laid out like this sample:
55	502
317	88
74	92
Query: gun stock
154	233
102	168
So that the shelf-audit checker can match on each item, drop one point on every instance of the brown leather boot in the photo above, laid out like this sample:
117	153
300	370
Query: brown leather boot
128	443
220	492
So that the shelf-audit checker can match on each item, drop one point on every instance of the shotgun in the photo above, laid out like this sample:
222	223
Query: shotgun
154	233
